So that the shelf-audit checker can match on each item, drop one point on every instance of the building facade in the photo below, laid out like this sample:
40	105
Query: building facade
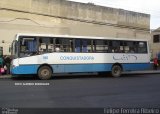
155	43
68	18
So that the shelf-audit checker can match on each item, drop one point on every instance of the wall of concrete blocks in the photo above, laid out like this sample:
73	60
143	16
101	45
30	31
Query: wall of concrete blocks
71	18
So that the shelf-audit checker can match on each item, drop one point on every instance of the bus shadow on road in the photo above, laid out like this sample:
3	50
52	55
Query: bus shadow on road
60	76
25	77
80	76
133	75
94	76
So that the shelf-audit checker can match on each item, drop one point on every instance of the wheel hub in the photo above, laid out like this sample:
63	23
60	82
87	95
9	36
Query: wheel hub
45	72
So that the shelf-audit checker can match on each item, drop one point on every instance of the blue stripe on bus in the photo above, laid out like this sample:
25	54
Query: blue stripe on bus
73	68
136	66
25	69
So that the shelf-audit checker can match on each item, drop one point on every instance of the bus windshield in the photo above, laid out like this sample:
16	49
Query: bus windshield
28	46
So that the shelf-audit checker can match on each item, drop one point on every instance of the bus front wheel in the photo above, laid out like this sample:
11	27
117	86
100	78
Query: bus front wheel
116	71
44	73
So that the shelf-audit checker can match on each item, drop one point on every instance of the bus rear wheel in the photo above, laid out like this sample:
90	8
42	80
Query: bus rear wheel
44	73
116	71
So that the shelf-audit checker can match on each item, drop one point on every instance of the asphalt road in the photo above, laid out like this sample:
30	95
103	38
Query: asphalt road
92	91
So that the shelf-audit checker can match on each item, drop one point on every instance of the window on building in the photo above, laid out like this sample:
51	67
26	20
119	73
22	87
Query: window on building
156	38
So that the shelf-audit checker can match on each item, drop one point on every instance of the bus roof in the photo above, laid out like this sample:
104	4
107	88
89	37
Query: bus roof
82	37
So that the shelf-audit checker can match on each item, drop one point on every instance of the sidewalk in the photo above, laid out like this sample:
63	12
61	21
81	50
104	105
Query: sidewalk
5	76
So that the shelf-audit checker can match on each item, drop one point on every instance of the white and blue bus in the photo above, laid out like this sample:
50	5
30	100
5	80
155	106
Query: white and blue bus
46	55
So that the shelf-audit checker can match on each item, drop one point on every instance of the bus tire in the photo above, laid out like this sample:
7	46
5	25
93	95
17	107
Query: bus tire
116	71
44	73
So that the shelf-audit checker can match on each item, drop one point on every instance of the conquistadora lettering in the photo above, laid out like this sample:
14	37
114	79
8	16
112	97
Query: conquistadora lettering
76	57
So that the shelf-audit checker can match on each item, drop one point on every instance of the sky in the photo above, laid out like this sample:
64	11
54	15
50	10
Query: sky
151	7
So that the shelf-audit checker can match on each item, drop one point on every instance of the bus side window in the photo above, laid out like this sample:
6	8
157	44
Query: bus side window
116	46
50	48
32	46
77	45
142	47
126	47
57	45
63	45
89	46
46	44
102	46
42	47
84	45
121	47
51	45
66	45
109	46
130	47
71	46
